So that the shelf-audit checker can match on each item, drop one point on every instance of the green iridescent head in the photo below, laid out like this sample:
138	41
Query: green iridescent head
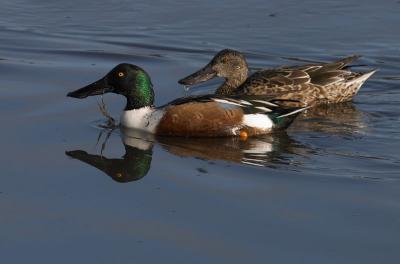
126	79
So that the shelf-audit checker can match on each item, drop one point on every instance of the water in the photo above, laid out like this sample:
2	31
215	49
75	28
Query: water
327	191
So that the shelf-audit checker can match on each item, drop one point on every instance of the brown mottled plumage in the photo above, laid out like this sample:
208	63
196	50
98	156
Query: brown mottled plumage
312	84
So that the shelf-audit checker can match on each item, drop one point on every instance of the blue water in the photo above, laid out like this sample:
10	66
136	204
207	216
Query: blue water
327	191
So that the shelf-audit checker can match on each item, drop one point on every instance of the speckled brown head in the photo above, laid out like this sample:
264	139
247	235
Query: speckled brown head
228	64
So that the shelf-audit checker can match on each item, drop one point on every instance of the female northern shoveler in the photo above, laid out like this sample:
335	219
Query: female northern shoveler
311	84
208	115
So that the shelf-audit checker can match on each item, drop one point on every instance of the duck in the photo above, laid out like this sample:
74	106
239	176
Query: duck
312	84
193	116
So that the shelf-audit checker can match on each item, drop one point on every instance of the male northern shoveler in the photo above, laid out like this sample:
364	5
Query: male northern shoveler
311	84
202	116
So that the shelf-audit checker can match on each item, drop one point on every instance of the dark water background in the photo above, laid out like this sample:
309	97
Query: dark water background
327	191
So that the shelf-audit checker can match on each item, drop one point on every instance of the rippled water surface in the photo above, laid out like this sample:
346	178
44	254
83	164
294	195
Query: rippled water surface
327	191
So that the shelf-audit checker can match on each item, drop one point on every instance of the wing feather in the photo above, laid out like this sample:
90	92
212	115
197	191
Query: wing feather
297	78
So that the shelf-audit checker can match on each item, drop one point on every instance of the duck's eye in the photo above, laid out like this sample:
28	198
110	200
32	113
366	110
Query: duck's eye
121	74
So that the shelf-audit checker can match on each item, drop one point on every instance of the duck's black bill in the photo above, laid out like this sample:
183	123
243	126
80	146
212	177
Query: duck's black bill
200	76
96	88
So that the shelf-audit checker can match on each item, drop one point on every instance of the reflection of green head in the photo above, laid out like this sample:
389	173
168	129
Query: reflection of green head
137	163
134	165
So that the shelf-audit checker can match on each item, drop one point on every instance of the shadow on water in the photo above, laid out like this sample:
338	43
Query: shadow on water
271	151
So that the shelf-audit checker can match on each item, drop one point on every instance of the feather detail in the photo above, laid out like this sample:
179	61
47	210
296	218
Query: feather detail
213	115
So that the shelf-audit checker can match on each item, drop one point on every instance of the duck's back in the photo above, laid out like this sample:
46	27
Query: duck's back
312	84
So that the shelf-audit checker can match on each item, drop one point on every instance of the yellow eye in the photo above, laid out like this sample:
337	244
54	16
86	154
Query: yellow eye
121	74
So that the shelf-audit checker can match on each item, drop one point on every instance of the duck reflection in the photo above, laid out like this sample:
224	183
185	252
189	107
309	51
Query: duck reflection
268	151
133	166
339	119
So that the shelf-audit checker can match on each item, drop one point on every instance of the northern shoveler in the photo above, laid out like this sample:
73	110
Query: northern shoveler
311	84
201	116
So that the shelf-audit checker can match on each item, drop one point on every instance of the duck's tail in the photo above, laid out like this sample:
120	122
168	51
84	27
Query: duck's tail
353	83
284	117
361	77
343	63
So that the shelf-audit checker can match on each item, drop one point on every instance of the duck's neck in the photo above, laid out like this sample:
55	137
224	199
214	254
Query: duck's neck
232	83
133	103
142	95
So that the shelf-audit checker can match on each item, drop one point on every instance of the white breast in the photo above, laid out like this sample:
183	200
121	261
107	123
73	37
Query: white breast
145	118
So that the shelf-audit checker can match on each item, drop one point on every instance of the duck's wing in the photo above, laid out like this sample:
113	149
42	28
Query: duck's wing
189	99
330	73
275	81
296	79
249	103
283	83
